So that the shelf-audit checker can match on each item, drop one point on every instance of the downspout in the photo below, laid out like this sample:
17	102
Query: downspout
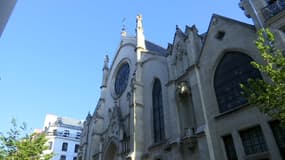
255	13
207	130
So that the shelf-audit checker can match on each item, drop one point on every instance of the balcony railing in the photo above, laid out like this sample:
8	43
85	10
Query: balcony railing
62	134
273	9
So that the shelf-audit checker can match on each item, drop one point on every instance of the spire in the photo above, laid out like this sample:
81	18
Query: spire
140	35
106	62
105	71
88	117
124	31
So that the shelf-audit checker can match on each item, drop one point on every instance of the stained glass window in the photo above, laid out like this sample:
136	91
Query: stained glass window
158	120
122	79
233	69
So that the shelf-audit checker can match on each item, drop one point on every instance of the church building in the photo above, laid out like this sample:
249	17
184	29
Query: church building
184	102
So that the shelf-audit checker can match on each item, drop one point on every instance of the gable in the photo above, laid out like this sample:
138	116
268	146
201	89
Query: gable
226	34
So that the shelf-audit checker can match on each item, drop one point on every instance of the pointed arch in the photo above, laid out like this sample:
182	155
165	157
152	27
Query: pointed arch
111	152
111	149
158	117
233	69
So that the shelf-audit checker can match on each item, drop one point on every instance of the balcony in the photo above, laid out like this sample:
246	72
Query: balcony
273	9
64	134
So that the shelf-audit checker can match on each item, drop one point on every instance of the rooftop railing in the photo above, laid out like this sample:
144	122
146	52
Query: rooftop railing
64	134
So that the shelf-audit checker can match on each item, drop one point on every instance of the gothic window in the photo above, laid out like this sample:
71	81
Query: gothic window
230	147
233	69
158	120
253	140
122	79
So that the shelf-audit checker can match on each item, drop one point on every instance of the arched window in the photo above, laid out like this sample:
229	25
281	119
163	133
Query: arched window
234	69
158	122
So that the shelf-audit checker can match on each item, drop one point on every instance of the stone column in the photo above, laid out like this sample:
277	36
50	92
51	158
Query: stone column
138	106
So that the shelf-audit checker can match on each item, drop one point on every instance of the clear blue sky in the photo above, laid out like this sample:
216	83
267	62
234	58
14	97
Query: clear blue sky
52	51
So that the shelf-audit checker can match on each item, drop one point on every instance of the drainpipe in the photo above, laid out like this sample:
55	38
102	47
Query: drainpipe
207	130
256	14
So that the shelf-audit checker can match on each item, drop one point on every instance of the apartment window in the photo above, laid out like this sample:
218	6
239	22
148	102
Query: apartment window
49	145
233	69
78	134
76	147
64	146
54	132
230	147
253	140
62	157
158	120
279	135
65	133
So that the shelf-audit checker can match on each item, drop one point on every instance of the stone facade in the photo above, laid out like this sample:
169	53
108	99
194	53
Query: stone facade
6	8
184	102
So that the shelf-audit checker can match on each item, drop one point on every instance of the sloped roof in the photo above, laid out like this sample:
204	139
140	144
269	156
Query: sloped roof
155	49
213	20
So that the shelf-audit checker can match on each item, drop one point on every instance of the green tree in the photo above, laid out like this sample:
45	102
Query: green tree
268	94
16	146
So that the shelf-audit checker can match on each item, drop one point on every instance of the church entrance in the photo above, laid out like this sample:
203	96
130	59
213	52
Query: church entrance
111	152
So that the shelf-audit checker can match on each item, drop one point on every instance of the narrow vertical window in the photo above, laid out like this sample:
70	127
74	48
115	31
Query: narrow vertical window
279	135
158	120
230	147
76	147
64	146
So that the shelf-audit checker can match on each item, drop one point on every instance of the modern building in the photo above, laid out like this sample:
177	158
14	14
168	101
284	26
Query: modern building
6	7
63	136
184	102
